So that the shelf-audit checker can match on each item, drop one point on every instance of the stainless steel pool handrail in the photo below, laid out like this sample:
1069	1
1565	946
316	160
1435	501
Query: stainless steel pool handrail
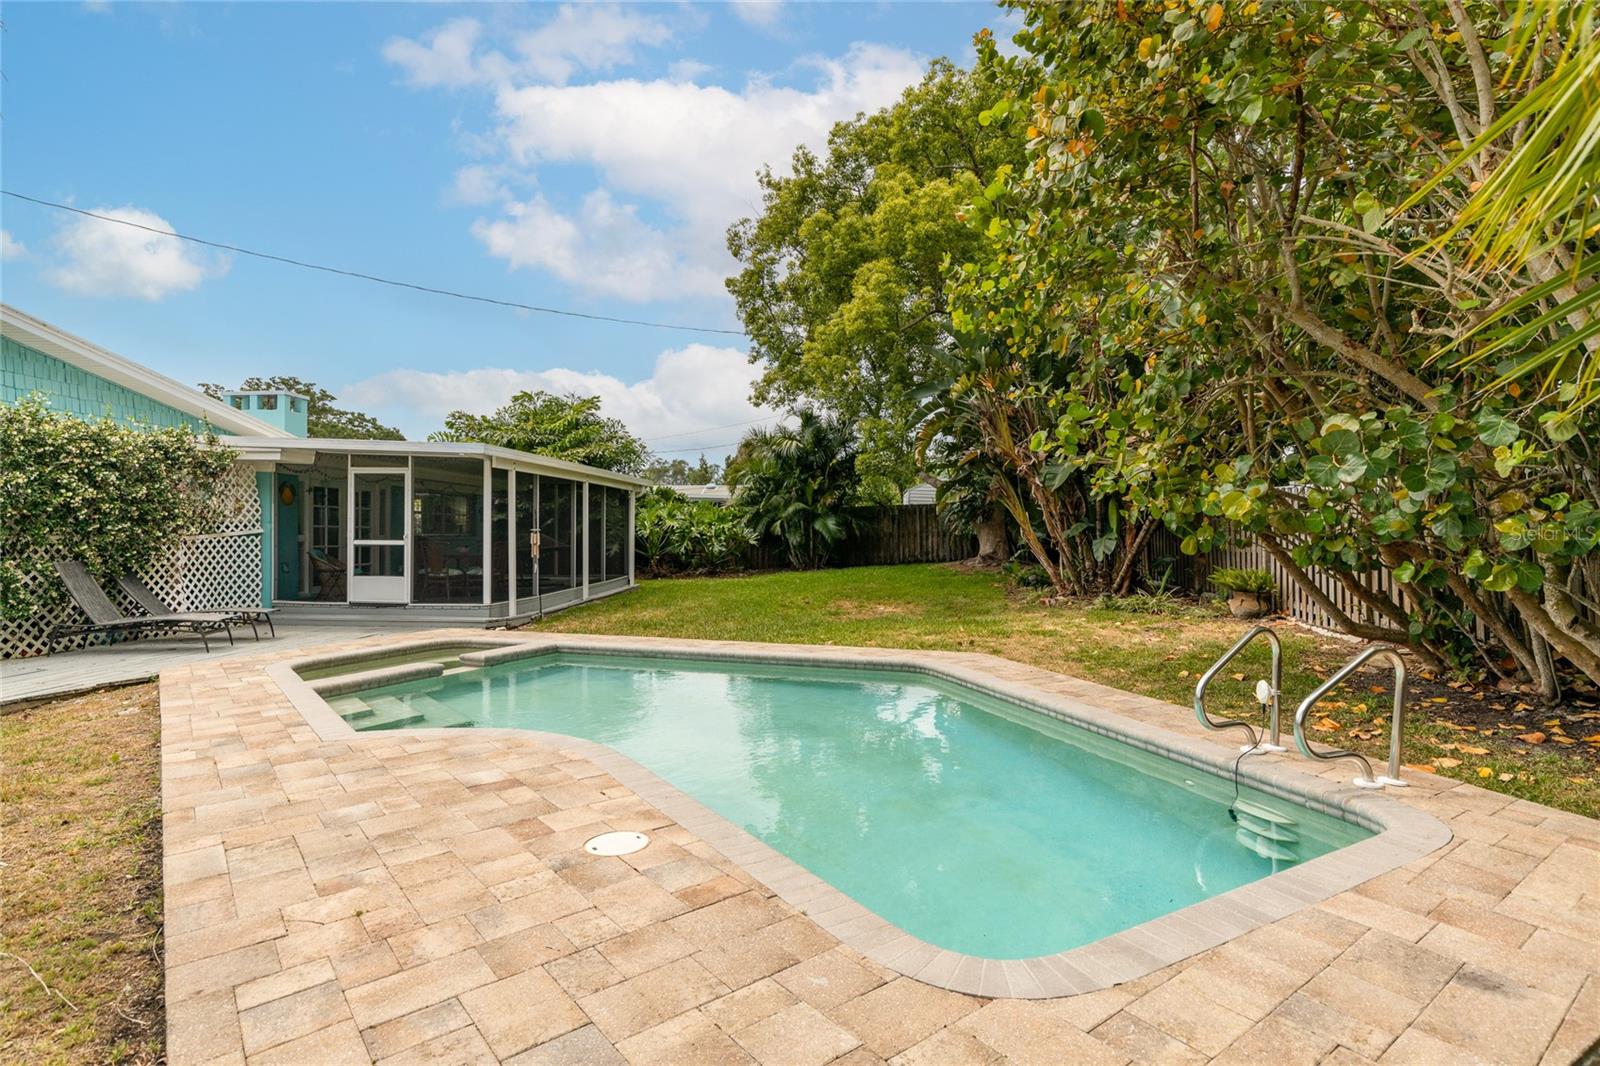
1276	683
1377	651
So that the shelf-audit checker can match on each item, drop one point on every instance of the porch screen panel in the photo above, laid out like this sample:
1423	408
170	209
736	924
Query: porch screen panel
616	534
499	514
527	502
447	531
597	534
558	534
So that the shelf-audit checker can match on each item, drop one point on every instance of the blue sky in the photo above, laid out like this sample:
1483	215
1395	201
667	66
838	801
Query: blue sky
578	156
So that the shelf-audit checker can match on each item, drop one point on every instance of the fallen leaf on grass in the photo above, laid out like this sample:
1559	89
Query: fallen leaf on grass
1467	749
1507	777
1563	740
1532	738
1237	677
1484	771
1420	768
1327	725
1445	764
1593	739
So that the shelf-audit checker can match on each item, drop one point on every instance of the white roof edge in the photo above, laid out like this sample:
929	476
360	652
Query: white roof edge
85	355
269	448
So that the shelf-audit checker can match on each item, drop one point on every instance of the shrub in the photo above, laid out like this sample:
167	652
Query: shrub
1230	579
674	534
113	496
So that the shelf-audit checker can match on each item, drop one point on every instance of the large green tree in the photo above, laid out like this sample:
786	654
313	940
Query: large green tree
562	427
842	290
1214	235
323	418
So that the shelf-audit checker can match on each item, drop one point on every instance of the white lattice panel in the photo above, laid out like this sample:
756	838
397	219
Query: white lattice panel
220	568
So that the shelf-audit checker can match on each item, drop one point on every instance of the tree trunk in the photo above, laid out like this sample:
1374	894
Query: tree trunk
994	541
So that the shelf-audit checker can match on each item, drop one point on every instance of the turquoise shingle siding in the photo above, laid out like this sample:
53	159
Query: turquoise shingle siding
24	370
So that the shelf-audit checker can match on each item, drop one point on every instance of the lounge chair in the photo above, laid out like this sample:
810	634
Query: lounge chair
104	617
145	597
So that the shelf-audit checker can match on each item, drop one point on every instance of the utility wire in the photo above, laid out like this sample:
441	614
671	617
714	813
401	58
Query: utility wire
372	277
701	448
708	429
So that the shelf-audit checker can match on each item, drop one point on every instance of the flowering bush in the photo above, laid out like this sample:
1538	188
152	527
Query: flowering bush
113	496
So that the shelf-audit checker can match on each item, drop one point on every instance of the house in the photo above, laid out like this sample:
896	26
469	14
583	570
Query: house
463	533
717	494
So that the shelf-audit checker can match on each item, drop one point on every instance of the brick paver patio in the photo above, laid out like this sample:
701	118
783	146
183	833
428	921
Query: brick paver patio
401	899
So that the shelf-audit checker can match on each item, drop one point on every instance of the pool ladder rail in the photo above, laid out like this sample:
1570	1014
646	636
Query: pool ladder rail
1392	777
1268	693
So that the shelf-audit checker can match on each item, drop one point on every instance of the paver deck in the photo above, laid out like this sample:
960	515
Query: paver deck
50	676
387	898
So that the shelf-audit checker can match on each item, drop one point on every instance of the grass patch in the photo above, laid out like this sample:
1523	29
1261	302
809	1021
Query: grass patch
80	839
1158	653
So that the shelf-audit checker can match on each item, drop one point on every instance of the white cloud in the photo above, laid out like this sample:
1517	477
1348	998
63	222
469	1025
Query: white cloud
477	185
688	70
763	14
99	258
696	396
10	247
691	150
578	38
604	247
445	57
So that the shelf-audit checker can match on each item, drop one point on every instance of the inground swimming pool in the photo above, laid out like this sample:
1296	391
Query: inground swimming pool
973	823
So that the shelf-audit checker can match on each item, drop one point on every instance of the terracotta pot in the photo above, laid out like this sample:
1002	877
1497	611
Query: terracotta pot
1249	604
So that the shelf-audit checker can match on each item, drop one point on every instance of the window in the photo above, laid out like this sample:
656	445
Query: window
266	403
327	520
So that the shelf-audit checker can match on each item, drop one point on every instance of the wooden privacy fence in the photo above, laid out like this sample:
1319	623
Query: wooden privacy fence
909	533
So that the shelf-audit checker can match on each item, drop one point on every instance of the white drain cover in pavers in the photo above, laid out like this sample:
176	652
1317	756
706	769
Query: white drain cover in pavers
616	843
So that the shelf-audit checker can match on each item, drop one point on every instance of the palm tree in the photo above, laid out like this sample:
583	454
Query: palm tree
798	483
1532	220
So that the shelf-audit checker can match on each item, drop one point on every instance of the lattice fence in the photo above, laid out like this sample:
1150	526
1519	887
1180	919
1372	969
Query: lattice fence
220	568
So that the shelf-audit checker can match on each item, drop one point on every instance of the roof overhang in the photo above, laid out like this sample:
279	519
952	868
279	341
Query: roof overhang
75	351
300	450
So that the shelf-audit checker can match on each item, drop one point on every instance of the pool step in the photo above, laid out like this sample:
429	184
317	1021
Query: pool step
1283	834
383	712
1267	849
438	715
1262	812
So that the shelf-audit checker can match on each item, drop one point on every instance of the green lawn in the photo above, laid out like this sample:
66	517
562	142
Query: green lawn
952	608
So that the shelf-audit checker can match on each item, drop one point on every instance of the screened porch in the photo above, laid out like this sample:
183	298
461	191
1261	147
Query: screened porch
481	530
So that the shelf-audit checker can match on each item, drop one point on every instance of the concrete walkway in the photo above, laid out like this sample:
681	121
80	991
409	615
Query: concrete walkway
47	676
399	899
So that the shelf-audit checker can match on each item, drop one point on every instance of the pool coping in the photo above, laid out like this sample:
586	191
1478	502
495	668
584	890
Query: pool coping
1402	833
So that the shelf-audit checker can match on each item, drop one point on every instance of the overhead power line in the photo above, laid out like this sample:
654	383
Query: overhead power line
700	448
359	275
709	429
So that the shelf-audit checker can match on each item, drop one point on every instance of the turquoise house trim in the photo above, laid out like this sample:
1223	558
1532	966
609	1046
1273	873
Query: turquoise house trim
24	370
264	490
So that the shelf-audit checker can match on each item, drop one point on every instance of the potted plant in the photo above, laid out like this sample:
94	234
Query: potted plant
1249	591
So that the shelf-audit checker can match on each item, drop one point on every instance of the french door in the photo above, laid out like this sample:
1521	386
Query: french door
379	534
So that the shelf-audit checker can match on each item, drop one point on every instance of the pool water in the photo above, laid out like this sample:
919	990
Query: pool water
975	824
